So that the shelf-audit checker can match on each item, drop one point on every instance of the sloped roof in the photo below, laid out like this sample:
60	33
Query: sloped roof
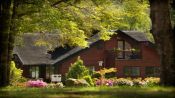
29	54
92	40
138	36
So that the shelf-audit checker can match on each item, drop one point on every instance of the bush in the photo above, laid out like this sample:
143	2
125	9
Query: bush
152	81
104	82
36	83
105	71
96	75
89	80
139	82
77	82
20	84
77	70
123	82
110	75
57	85
15	74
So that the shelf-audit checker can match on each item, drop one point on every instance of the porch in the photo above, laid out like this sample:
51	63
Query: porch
42	72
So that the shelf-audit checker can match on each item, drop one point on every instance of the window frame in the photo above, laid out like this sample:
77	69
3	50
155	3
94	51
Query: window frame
155	70
35	70
50	71
131	70
127	52
122	50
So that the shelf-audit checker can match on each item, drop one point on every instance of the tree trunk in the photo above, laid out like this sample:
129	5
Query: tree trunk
13	29
5	20
164	38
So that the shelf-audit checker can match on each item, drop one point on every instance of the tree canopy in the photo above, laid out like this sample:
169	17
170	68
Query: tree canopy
76	20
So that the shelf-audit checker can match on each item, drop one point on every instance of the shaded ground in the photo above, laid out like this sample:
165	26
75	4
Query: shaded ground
91	92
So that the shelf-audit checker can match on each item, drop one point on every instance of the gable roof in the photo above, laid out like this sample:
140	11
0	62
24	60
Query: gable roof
138	36
29	54
91	41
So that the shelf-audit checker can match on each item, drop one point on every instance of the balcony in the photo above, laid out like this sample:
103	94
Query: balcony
128	54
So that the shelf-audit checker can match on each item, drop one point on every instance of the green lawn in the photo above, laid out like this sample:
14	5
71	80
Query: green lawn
90	92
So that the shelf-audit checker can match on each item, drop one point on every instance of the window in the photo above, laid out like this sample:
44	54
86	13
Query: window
91	69
132	71
152	71
126	51
49	71
34	72
120	47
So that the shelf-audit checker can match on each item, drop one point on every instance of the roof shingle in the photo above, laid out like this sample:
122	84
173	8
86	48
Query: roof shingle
29	54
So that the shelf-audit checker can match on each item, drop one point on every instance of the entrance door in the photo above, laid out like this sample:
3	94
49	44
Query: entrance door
34	72
49	71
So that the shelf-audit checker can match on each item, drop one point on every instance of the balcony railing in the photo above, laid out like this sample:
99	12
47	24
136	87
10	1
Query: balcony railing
124	54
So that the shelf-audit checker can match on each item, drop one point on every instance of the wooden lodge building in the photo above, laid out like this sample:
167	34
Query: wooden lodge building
129	51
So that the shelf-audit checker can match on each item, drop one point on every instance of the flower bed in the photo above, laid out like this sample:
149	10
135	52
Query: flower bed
36	83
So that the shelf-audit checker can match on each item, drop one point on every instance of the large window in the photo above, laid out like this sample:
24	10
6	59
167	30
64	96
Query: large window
132	71
34	72
49	71
126	51
120	48
152	71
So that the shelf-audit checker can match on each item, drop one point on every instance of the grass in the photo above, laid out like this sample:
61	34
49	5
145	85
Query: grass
89	92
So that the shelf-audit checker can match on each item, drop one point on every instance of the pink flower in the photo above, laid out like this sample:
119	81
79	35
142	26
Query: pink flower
37	83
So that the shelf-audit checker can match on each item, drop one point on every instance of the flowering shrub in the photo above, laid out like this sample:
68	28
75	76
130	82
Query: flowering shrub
104	71
123	82
104	82
36	83
57	85
139	82
151	81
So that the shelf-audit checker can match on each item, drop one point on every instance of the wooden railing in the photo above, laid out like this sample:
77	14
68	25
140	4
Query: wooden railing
128	54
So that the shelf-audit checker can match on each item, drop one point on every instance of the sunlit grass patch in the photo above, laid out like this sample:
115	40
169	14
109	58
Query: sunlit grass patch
89	92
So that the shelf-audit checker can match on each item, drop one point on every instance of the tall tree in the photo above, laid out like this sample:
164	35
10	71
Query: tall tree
5	20
73	20
164	37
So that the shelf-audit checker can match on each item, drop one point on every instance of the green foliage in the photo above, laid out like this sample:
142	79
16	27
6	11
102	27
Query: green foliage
15	74
55	85
96	75
139	82
110	75
76	83
74	20
77	70
89	80
136	15
123	82
104	71
152	81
